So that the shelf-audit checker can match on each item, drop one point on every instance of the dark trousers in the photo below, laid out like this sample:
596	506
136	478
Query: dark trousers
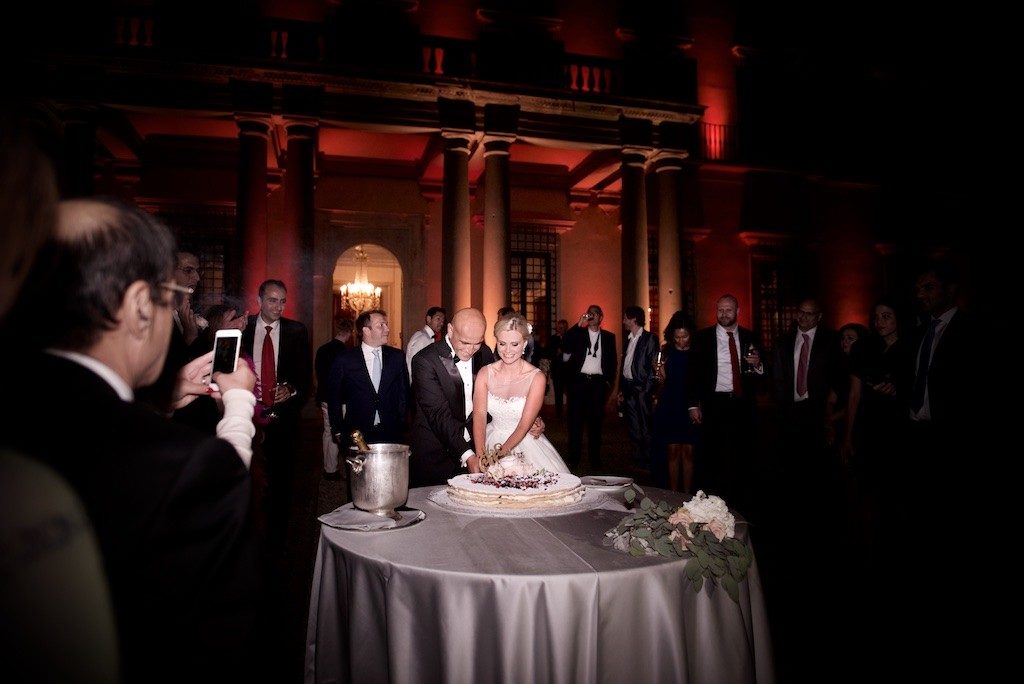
587	398
636	408
281	439
728	440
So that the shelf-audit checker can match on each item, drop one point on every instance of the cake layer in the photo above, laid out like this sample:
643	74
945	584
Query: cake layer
543	490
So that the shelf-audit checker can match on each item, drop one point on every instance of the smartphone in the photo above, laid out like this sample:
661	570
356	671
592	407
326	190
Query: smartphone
226	345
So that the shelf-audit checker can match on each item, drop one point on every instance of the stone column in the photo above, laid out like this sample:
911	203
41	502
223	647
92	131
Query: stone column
633	214
297	240
497	214
247	256
668	166
457	287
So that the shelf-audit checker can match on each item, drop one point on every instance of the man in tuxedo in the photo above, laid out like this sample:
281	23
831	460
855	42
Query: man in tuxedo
808	365
636	383
368	386
433	323
723	399
280	350
442	381
170	506
591	371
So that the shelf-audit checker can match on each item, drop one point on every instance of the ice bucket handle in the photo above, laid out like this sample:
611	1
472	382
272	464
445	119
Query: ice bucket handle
357	463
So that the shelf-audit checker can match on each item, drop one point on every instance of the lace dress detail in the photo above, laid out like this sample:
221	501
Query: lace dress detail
505	404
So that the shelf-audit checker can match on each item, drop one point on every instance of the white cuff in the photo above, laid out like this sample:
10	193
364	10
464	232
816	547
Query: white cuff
465	456
236	427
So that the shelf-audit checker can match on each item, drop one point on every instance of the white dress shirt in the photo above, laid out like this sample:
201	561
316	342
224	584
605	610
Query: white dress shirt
796	358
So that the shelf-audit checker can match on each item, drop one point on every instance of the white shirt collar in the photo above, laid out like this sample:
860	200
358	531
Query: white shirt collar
115	381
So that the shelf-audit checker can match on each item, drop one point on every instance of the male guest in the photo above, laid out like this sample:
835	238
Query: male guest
433	323
636	383
591	370
170	505
322	363
280	349
954	382
808	365
556	350
368	386
442	381
723	400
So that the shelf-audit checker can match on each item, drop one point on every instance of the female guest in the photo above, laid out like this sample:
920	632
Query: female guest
674	433
876	412
835	408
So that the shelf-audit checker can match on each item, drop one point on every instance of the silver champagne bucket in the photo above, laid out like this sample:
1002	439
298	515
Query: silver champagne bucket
379	478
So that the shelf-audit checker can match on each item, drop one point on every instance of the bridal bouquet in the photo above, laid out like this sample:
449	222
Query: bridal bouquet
702	528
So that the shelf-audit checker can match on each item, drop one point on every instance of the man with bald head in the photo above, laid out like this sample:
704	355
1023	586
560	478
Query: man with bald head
442	381
170	505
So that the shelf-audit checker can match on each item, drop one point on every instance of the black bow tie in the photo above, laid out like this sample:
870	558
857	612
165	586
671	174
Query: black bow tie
455	358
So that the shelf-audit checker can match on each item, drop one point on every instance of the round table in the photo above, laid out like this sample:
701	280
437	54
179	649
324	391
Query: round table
481	598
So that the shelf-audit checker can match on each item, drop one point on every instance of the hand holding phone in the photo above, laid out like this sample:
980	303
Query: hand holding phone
226	345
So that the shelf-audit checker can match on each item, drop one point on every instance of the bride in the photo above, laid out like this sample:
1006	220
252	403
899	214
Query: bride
511	390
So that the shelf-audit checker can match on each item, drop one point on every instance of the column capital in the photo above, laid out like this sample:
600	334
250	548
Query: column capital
753	238
497	143
635	156
253	125
668	160
458	140
301	127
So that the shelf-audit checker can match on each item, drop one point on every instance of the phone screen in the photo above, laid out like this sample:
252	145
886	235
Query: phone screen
225	354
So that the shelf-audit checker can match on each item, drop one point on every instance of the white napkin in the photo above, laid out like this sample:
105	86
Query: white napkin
348	517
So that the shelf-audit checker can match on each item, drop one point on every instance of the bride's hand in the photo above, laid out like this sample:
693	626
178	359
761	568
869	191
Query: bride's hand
537	429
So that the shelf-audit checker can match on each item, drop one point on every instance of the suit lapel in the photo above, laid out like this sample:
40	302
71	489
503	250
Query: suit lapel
453	372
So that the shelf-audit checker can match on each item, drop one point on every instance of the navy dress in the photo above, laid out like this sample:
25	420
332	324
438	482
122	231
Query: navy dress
672	423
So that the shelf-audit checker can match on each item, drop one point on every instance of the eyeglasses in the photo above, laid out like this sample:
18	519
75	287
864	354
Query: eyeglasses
189	270
801	312
180	292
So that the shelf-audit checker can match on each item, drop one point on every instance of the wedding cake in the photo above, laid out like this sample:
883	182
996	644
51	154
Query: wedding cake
539	489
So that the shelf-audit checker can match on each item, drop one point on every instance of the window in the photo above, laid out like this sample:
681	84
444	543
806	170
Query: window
534	276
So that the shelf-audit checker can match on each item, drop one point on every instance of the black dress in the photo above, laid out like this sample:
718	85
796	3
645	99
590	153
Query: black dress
672	423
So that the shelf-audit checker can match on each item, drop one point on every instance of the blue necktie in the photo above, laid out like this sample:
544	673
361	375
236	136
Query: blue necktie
921	380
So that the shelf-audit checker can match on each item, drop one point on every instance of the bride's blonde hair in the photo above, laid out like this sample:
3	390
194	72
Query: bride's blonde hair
512	321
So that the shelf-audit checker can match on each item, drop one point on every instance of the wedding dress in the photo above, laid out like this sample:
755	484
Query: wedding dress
505	403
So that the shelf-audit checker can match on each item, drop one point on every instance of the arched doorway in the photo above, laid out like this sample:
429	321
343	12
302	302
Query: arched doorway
382	270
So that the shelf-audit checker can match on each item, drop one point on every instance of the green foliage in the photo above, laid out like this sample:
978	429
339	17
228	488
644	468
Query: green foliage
647	531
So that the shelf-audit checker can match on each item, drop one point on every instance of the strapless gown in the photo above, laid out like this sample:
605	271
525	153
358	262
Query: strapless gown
505	414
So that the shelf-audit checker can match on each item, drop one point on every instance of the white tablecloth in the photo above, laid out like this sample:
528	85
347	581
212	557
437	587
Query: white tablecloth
476	598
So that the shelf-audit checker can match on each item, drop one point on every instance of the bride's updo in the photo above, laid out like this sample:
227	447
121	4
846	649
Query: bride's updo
512	321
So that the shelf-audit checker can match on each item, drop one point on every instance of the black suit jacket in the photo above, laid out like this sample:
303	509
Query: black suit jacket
438	439
825	367
703	375
577	343
170	507
349	384
954	374
294	364
643	361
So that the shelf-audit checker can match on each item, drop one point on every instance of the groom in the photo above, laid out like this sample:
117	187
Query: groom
442	380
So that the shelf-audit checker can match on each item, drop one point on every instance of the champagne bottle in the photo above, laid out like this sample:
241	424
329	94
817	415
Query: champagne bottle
360	442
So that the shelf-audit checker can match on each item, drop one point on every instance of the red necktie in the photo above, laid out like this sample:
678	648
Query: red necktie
734	357
801	369
269	378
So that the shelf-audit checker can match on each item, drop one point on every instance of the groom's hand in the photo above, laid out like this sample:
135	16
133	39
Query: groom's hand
473	464
538	427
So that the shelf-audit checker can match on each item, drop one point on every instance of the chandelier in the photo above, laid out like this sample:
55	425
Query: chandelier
360	294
